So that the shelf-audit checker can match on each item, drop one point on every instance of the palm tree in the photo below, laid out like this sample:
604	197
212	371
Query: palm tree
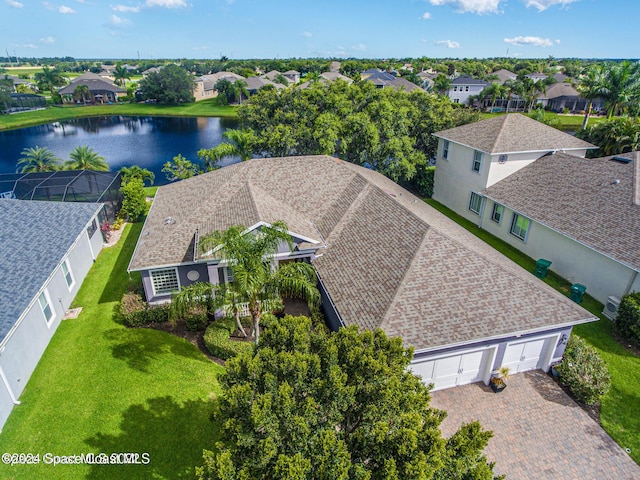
249	257
240	143
129	173
86	158
622	86
81	92
495	91
591	87
49	79
238	89
441	84
38	159
120	74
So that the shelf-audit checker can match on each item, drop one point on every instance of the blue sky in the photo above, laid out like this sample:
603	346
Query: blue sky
320	28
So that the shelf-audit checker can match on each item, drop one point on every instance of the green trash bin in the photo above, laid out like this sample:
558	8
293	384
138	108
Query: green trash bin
542	266
577	292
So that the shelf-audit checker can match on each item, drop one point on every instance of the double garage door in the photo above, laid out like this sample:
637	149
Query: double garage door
475	366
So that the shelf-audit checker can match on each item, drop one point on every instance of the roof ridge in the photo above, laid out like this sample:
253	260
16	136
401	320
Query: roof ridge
340	225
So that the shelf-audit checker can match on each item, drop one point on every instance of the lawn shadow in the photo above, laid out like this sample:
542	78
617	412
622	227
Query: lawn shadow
172	434
139	347
119	279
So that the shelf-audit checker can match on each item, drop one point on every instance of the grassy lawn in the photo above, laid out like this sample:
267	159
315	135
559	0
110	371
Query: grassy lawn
101	387
205	108
570	123
619	414
151	191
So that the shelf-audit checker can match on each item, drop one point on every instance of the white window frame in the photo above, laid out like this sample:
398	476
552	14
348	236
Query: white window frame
497	211
68	275
514	221
153	283
445	149
48	304
477	160
475	197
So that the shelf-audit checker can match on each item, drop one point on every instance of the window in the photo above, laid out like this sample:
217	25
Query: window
229	273
445	149
477	161
66	271
520	226
496	214
91	229
466	88
45	305
165	281
475	203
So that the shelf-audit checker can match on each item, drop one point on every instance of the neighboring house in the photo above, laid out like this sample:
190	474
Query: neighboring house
292	75
561	96
463	87
528	184
206	84
328	77
256	83
24	102
537	76
271	75
100	90
384	259
47	250
581	214
16	81
387	80
503	75
427	80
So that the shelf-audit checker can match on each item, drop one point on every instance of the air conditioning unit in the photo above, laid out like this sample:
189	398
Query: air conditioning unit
611	308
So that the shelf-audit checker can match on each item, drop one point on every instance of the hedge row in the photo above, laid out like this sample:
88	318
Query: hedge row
134	311
217	339
628	319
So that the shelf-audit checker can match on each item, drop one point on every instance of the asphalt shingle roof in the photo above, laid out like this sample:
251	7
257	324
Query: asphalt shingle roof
512	133
95	83
34	237
594	201
388	259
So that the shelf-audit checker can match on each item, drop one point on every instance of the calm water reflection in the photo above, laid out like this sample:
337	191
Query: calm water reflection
124	141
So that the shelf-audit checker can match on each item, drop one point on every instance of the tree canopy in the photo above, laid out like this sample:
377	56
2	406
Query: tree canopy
311	404
384	129
84	157
38	159
171	85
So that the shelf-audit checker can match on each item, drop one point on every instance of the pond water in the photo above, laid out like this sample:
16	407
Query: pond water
148	142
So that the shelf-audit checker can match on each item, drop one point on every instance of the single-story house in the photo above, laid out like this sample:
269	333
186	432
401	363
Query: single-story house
328	77
206	84
384	259
463	87
561	96
47	249
503	75
387	80
100	89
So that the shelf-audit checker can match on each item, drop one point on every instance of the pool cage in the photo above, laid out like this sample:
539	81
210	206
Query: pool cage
66	186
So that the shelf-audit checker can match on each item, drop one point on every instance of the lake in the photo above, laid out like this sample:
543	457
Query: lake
148	142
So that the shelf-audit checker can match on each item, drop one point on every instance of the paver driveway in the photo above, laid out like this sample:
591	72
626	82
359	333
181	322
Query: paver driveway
540	432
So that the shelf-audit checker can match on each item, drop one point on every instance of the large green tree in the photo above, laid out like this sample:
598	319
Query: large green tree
180	169
618	135
129	173
38	159
84	157
622	86
121	74
249	255
170	85
343	405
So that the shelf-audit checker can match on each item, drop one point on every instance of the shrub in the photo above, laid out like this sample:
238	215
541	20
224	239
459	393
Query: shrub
218	342
584	372
627	322
133	311
196	318
424	180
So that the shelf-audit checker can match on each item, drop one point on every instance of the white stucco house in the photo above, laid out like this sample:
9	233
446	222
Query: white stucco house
46	250
530	185
384	259
463	87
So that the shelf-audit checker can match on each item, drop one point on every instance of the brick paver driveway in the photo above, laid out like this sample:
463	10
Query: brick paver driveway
540	432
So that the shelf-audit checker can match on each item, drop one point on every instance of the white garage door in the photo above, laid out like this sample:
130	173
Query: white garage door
453	370
526	355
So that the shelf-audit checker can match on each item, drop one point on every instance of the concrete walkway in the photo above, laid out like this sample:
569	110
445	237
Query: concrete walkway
539	431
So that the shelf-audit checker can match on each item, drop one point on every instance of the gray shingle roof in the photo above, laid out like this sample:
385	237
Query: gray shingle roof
580	198
467	80
95	83
34	237
559	90
512	133
389	260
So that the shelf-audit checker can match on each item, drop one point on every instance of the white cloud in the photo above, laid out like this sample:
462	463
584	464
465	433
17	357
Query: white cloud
14	4
48	6
361	47
542	5
480	7
307	34
26	45
426	16
125	9
200	48
166	3
532	41
117	21
447	43
48	40
66	10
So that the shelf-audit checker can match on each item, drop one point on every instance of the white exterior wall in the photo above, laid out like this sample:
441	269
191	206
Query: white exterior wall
22	348
462	92
577	263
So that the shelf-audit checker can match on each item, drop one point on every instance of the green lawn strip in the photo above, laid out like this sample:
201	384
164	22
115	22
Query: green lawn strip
205	108
101	387
620	407
151	191
567	122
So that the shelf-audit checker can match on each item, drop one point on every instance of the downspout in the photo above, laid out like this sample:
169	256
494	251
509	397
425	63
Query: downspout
8	387
634	277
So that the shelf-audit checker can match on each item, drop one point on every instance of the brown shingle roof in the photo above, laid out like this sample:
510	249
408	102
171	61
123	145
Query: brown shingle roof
582	199
389	260
512	133
95	82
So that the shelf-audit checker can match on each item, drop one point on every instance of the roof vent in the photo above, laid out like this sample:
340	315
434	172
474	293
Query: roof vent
621	159
169	221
